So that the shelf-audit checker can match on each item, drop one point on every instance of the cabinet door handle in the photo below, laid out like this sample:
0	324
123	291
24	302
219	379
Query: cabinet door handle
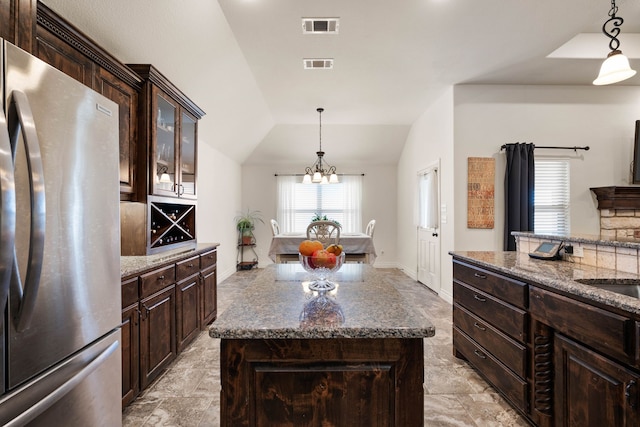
479	276
479	298
631	401
190	265
479	354
161	277
477	325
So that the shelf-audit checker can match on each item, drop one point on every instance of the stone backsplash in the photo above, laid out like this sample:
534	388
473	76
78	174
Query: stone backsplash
596	251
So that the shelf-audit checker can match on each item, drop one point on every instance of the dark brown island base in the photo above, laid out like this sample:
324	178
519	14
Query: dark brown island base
294	357
559	340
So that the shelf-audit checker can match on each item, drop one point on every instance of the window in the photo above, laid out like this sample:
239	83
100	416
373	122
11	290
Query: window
551	199
298	203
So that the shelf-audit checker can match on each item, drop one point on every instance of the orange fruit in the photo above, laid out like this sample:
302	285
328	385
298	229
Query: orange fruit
308	247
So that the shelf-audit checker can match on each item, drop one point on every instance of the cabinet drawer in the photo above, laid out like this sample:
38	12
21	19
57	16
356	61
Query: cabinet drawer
507	289
187	268
156	280
129	292
505	349
507	318
598	328
208	259
512	386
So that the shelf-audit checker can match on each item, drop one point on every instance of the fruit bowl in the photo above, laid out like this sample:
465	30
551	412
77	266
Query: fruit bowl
321	267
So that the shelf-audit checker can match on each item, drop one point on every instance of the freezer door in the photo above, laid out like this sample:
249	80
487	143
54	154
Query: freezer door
65	290
84	390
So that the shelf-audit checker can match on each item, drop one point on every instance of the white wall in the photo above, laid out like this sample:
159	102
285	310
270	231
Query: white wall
488	116
219	196
430	140
475	120
378	202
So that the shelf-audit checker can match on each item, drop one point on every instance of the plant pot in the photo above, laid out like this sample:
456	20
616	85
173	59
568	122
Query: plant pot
247	240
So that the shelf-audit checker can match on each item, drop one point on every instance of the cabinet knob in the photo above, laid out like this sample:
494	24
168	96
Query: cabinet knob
631	400
190	265
479	354
479	298
477	325
161	277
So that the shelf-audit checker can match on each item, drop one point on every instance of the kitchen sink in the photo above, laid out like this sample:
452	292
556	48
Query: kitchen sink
630	287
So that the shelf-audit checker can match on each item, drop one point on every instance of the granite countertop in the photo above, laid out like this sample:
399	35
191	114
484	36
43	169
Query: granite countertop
560	275
131	265
364	305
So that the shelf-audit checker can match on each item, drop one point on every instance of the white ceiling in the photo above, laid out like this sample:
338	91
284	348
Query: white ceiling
241	61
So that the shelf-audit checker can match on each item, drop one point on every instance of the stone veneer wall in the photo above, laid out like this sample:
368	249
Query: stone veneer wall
620	224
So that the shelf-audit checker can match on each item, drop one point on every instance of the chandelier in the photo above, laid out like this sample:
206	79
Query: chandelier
616	67
320	172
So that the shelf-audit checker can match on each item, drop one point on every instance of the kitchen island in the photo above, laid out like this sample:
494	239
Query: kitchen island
353	356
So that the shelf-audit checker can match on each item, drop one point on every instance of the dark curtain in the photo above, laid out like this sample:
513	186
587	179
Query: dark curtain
519	183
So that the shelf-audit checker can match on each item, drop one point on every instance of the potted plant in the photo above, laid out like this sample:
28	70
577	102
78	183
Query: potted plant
245	223
318	217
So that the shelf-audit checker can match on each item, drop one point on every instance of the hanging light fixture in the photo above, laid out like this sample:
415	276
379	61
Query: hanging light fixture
320	172
616	67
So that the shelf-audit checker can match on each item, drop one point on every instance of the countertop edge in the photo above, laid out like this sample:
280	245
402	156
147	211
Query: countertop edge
136	265
564	284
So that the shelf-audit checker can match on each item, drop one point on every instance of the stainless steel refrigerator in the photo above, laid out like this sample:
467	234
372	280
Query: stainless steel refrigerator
60	249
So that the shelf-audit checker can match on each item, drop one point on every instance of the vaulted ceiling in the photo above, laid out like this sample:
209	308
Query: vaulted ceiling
241	61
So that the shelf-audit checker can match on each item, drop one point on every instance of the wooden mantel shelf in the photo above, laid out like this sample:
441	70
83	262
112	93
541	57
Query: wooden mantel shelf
617	197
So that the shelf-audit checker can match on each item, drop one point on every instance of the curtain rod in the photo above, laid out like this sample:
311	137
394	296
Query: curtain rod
574	148
301	174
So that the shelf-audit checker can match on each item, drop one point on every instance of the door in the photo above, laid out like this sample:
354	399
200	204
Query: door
593	390
429	229
65	287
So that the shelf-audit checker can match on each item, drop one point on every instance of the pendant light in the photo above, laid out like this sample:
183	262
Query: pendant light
616	67
320	172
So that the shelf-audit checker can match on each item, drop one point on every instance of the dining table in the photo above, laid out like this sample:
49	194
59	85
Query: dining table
356	246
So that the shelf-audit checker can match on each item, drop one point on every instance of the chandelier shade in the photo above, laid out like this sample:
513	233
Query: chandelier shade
616	67
320	172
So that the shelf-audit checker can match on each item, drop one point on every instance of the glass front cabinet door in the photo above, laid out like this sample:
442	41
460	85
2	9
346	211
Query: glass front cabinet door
171	135
165	177
175	149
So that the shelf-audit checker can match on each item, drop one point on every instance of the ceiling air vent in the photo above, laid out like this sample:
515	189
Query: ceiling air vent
318	63
320	25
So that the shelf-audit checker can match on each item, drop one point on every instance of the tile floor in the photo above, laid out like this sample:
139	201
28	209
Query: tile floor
188	393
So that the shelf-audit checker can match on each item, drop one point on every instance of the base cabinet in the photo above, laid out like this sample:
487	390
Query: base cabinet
490	324
157	334
322	382
130	331
163	311
576	364
593	390
188	311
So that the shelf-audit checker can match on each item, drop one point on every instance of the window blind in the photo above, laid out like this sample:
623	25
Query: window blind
551	197
298	203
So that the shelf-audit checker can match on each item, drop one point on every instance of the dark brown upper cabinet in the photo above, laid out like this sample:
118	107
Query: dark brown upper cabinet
63	46
168	128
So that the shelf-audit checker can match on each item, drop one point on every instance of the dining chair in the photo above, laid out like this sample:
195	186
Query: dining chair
275	227
324	231
370	227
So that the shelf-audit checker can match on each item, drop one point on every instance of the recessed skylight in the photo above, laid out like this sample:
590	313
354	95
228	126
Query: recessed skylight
317	63
320	25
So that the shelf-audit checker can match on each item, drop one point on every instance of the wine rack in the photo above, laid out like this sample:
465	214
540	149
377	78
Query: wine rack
172	224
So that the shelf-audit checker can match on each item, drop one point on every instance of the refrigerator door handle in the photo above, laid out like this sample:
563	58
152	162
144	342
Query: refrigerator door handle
7	213
20	118
26	415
